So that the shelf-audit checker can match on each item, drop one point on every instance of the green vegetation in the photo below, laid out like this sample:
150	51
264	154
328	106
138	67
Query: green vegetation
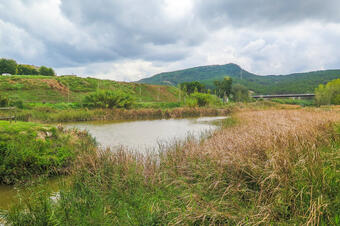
30	149
328	94
281	84
291	178
191	87
24	69
72	89
9	66
46	71
108	99
202	99
4	101
240	93
223	87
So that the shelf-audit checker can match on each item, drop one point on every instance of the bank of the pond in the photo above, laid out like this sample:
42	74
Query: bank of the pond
50	115
271	167
30	149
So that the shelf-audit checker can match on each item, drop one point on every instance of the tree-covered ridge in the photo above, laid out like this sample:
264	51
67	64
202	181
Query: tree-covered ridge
271	84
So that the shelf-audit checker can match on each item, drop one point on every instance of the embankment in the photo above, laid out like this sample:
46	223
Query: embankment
29	150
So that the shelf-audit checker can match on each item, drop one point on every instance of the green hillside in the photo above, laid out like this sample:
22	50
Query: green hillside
272	84
53	89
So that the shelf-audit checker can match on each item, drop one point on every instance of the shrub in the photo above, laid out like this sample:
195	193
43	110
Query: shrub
202	99
24	69
8	66
108	99
328	94
4	101
46	71
240	93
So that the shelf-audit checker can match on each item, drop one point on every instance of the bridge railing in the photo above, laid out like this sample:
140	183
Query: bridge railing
304	95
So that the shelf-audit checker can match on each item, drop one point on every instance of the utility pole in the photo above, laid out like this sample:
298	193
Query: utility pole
159	93
68	93
179	93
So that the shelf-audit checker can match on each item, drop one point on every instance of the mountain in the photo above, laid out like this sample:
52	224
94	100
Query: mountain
270	84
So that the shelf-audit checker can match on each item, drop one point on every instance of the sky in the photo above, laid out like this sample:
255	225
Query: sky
127	40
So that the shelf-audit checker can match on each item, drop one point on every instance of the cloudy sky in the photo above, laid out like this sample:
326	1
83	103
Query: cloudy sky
132	39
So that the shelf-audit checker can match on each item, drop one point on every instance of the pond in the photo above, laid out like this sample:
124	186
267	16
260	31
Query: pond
148	135
142	136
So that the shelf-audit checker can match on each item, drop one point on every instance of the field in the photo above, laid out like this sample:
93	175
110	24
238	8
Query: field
264	167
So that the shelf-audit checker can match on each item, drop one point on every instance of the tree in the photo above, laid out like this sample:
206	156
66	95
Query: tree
240	93
46	71
328	94
190	87
23	69
8	66
223	88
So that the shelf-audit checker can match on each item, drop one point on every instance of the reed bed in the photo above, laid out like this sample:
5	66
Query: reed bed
272	167
47	115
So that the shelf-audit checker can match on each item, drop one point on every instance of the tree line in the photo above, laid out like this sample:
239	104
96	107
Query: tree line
224	89
9	66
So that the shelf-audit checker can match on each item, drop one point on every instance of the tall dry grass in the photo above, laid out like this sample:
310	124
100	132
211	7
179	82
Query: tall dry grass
275	165
272	167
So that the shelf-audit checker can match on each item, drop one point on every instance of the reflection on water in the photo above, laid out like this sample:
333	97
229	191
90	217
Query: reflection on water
136	135
146	135
10	194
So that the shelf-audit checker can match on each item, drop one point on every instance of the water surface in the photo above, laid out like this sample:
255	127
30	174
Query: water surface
146	135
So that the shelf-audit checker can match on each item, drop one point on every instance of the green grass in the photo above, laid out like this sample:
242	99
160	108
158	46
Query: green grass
55	89
31	149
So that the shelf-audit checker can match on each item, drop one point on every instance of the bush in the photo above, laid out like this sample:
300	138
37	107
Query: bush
8	66
108	99
4	101
328	94
202	99
240	93
24	69
46	71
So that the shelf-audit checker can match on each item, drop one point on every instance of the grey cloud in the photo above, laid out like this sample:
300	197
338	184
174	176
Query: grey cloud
267	36
102	31
267	12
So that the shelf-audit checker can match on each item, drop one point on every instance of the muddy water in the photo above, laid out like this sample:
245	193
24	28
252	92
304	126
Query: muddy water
142	136
147	135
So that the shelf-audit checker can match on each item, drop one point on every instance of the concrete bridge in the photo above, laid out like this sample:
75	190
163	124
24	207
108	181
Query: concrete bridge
305	95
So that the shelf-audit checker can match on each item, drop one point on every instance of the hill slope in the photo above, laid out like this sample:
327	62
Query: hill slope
271	84
53	89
